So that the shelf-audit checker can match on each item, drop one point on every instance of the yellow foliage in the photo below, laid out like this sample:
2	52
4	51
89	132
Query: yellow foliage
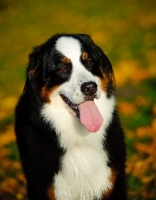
127	108
14	187
132	71
9	185
143	163
7	106
146	148
8	136
129	70
9	102
143	131
141	101
153	126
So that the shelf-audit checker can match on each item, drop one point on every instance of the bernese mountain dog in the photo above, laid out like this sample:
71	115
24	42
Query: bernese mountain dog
68	132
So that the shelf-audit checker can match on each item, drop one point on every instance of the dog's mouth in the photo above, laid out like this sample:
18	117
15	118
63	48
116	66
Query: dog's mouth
72	105
87	112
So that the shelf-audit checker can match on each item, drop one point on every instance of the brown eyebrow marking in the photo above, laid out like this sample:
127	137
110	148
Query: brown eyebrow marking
66	60
84	55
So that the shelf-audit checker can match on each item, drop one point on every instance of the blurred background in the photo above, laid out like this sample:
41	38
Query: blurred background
126	31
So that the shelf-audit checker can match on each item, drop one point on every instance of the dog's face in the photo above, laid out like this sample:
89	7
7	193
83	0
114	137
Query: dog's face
73	71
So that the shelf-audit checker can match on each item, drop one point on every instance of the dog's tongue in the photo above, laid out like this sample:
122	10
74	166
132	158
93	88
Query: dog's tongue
90	116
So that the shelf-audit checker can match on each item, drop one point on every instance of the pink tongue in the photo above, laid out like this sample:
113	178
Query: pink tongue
90	116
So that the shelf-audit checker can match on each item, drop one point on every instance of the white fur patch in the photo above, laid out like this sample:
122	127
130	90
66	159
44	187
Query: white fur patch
71	48
84	172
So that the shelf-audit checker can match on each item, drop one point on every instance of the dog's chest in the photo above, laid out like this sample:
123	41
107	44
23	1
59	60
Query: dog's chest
84	174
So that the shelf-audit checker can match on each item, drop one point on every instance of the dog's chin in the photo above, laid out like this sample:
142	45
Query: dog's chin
72	105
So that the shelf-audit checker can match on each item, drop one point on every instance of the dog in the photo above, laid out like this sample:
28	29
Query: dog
69	135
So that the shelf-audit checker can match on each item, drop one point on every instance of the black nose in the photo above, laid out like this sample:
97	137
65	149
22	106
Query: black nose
89	88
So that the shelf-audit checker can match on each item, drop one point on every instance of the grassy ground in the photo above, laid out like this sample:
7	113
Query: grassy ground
126	32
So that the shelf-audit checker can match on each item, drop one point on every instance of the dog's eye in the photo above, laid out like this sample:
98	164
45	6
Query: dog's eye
89	63
63	70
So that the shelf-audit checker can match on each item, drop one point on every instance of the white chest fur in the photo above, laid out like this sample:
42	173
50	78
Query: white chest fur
84	173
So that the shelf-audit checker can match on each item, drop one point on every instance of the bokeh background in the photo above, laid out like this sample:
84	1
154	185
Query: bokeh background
126	31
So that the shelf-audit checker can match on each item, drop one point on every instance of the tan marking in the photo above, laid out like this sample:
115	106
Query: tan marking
45	94
112	180
105	80
112	77
51	193
84	56
66	60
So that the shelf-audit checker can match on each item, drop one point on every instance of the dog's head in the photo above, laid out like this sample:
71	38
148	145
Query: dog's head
73	68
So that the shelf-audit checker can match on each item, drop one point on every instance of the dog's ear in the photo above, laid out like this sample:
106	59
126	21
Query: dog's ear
86	39
34	63
107	70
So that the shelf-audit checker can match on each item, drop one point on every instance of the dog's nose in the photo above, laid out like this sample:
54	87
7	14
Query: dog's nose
89	88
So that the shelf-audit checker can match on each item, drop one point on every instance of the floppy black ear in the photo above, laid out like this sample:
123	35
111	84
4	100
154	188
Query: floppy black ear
34	63
33	68
86	39
107	69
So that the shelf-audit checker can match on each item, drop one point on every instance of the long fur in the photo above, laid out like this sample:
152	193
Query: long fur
61	159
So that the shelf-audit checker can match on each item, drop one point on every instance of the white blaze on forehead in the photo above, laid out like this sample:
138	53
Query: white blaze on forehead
69	47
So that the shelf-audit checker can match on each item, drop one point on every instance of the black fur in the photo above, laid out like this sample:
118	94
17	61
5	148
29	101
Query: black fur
37	142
